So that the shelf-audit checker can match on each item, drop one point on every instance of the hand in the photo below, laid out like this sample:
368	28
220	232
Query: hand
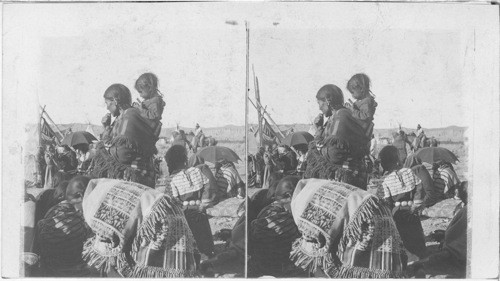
136	104
348	105
106	120
318	121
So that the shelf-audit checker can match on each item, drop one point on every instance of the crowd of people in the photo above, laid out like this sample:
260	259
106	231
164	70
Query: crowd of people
109	211
343	209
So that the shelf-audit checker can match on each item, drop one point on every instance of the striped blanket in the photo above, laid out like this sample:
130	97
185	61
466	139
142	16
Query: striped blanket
270	241
139	232
61	235
346	232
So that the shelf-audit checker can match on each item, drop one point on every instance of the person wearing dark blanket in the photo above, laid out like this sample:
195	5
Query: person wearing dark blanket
452	258
271	236
340	144
61	235
403	192
192	188
128	144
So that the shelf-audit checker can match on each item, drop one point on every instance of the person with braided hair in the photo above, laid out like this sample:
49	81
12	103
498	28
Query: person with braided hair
152	106
340	143
363	109
128	144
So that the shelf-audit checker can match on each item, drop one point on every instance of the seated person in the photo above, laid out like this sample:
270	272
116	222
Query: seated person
61	235
191	187
451	259
229	179
51	197
271	236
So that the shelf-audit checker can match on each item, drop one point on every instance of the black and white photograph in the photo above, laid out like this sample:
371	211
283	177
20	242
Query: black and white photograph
359	141
135	139
250	140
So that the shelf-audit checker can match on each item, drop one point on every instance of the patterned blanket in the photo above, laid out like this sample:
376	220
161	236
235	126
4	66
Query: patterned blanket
139	232
346	232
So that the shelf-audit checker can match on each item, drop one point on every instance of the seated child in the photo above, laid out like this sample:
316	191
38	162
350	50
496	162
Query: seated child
363	109
152	106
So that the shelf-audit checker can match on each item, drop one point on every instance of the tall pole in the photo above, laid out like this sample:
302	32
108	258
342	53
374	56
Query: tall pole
247	90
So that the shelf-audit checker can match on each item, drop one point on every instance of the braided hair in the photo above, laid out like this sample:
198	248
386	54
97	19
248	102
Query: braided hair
360	82
120	94
148	82
332	95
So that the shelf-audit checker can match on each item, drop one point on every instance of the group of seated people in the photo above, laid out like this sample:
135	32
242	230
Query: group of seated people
114	221
326	224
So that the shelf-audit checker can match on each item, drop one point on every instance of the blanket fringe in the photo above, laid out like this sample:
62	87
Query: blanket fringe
353	230
151	228
363	272
321	259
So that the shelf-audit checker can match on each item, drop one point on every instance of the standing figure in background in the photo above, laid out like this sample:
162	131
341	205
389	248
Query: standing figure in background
419	141
269	166
199	138
152	106
52	165
259	166
400	141
41	166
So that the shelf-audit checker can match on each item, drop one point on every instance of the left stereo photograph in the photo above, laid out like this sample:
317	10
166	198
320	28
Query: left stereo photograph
130	120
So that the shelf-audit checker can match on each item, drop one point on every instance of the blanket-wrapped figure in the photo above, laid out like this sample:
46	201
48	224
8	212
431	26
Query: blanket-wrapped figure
346	232
139	232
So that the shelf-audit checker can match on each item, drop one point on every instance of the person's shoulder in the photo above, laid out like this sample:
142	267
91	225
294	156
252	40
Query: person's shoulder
343	112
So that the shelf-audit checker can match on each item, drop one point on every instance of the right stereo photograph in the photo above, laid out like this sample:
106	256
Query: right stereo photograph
358	150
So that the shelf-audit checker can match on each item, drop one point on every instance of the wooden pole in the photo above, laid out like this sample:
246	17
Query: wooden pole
257	98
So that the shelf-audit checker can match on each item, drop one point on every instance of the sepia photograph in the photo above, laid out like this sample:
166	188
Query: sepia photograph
250	140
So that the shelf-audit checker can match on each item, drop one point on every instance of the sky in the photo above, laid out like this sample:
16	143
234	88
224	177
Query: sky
64	56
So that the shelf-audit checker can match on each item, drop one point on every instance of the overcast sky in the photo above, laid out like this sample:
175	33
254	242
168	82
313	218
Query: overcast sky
64	56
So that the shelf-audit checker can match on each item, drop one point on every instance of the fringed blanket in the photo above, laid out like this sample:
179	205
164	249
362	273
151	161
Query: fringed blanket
333	163
139	232
346	232
105	165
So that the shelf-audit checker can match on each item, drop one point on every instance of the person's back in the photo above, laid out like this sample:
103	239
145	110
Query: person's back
228	178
